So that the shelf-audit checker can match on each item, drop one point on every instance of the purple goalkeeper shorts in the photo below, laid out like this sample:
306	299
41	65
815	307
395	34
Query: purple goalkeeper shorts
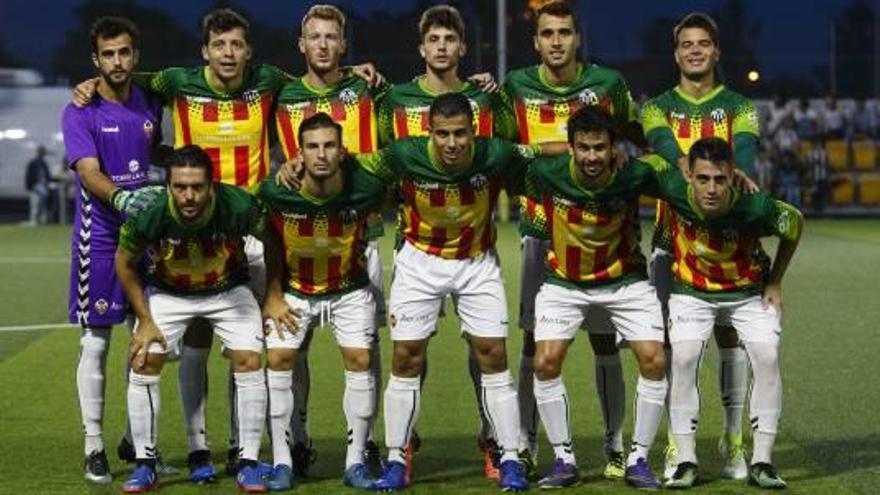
96	298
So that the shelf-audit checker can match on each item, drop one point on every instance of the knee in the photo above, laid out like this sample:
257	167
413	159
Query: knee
547	365
686	355
407	361
280	359
652	362
152	365
245	361
358	360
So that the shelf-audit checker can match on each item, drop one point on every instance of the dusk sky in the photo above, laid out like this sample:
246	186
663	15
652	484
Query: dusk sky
794	34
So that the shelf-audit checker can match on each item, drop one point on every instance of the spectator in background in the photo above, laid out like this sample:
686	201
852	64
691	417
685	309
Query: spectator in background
788	179
786	138
36	181
864	121
778	112
764	169
806	121
833	119
817	167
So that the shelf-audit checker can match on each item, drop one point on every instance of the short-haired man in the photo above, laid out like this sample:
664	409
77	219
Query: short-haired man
316	252
198	269
595	277
542	98
109	143
450	183
719	279
350	101
701	106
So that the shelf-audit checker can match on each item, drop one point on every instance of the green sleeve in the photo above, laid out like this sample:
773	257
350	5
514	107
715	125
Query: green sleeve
505	125
380	163
131	240
653	167
659	134
385	119
165	83
533	190
745	149
746	120
784	220
257	219
624	106
277	77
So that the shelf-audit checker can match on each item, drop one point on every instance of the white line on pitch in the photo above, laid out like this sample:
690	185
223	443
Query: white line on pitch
33	328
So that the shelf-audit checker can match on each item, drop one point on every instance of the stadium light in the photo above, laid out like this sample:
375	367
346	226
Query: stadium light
754	76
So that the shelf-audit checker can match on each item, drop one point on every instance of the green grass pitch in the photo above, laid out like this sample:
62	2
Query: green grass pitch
829	440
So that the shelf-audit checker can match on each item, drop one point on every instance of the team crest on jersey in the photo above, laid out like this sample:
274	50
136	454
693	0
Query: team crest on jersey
348	96
478	181
251	95
148	128
133	166
348	215
101	306
588	97
718	115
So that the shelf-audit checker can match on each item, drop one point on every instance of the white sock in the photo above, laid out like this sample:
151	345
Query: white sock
650	399
612	398
502	409
143	413
402	399
299	420
90	374
376	372
684	396
251	398
357	403
193	387
553	406
528	421
280	409
765	406
733	378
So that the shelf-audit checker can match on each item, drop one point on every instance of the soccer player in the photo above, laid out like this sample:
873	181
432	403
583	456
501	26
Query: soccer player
719	279
595	272
351	102
198	269
404	113
316	254
701	106
542	98
108	143
450	183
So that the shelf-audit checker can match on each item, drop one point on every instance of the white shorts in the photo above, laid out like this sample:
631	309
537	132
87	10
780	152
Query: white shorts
253	248
377	281
234	314
422	280
351	315
632	309
692	318
533	255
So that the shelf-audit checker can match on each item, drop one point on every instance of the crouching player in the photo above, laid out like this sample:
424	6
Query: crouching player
595	278
316	267
195	234
717	279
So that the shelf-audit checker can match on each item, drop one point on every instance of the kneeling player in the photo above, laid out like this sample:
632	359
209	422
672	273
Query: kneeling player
317	272
595	265
195	232
719	280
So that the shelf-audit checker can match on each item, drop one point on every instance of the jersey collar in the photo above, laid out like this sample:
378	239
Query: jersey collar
559	89
696	101
420	82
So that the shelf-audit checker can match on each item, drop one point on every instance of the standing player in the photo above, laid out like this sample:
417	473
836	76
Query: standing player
199	269
316	254
700	106
595	271
450	183
108	144
351	102
404	113
542	98
718	279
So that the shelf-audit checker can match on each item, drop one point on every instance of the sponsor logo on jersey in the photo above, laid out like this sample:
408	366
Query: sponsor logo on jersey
110	129
294	216
677	116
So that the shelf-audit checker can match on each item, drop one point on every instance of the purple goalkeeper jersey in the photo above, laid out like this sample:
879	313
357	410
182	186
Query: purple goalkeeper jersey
120	136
